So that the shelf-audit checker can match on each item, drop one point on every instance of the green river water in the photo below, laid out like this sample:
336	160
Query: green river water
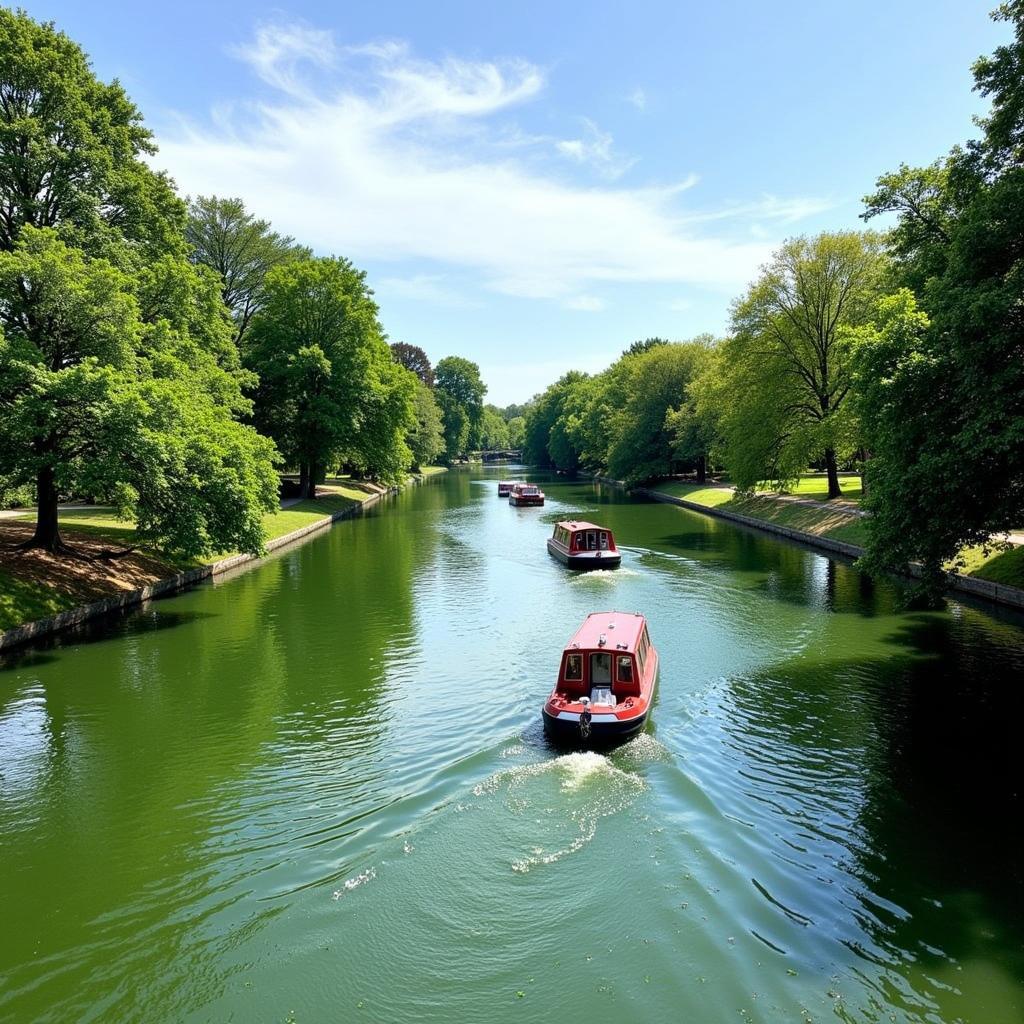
319	790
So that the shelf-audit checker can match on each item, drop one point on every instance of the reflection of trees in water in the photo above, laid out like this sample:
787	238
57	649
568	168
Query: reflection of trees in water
911	763
149	734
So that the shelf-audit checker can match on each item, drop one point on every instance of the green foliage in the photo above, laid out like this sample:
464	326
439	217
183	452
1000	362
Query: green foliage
239	249
785	374
544	413
72	152
517	432
462	404
643	443
328	388
413	358
95	399
493	430
426	436
943	377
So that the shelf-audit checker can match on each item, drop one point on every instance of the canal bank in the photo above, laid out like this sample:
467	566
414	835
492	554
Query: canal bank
987	590
116	603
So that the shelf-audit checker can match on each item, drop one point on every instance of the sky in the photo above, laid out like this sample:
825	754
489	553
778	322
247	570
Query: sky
536	185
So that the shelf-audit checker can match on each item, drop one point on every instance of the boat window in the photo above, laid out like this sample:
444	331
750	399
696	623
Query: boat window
592	540
604	540
578	541
573	667
625	668
600	670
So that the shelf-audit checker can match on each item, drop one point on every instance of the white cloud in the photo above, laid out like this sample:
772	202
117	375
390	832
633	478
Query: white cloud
680	305
638	98
595	148
424	288
371	152
585	303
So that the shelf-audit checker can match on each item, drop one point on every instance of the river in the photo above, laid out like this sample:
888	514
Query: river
319	790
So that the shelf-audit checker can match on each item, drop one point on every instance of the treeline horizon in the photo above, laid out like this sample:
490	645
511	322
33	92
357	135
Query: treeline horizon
169	356
899	355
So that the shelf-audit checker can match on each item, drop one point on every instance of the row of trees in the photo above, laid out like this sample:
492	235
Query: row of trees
901	355
169	357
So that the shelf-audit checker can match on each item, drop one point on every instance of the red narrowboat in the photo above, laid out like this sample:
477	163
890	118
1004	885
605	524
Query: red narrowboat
505	488
606	682
525	494
584	546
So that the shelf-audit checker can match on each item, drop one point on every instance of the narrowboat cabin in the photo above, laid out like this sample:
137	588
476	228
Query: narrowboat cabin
584	546
525	494
606	682
505	488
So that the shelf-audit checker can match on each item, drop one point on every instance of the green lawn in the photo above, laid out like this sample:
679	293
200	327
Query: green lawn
834	523
1001	565
24	600
815	485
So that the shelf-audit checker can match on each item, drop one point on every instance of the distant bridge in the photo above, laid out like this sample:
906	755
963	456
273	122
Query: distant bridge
507	455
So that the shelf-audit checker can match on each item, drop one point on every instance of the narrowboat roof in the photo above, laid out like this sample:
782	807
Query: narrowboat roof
572	525
621	630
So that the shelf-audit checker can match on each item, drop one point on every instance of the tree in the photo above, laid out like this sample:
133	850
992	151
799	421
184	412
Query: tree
413	358
494	430
639	347
72	152
943	377
455	423
328	389
516	433
545	411
787	366
643	446
426	437
93	397
460	380
117	372
240	249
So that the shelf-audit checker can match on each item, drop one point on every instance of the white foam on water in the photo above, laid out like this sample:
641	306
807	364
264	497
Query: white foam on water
590	787
353	883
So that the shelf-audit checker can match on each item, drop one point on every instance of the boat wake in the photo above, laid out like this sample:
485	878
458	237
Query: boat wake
555	806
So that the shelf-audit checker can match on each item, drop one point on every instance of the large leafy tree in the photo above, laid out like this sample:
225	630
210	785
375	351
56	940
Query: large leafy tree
93	397
426	435
73	152
463	403
328	388
543	444
240	249
413	358
787	368
944	377
117	372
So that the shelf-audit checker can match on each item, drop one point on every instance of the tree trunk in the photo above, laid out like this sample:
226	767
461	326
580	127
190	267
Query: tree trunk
47	533
702	469
310	491
303	478
833	474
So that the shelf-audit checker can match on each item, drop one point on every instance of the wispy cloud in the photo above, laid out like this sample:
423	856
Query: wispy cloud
372	152
638	98
596	148
430	288
585	303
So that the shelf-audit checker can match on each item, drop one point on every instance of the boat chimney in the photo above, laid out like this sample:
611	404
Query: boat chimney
602	640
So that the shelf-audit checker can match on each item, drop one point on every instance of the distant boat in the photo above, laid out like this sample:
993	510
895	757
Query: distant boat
525	494
582	545
606	681
505	488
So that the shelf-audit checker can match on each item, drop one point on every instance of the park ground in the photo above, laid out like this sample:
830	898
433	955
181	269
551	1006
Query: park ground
806	507
36	584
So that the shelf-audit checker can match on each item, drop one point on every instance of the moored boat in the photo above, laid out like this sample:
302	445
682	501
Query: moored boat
505	488
606	682
582	545
525	494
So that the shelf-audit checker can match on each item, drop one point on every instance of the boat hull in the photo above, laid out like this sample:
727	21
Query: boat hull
564	730
526	502
585	560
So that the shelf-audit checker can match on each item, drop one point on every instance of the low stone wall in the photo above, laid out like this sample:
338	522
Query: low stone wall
998	592
30	631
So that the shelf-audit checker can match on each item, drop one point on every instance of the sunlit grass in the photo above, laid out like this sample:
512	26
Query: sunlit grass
24	600
815	485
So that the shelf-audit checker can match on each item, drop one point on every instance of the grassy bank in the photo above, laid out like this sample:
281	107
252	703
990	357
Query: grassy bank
36	584
839	521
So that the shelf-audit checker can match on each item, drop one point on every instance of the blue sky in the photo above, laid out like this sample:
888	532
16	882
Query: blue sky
536	185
